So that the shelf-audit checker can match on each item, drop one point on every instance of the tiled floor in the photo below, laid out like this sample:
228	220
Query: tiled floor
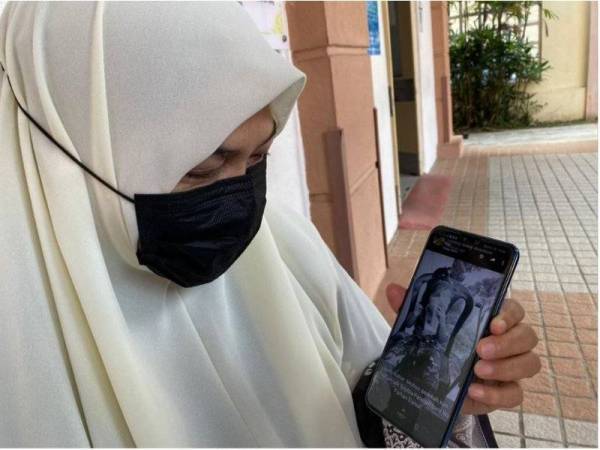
547	205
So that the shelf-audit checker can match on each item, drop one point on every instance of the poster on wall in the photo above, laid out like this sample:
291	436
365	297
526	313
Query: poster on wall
269	18
373	20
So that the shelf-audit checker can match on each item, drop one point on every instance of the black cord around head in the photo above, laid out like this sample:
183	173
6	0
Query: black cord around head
65	151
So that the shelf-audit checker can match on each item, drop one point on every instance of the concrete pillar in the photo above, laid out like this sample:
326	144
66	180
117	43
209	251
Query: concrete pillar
449	145
591	98
329	42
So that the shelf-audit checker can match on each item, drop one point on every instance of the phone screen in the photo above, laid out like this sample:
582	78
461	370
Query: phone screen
431	348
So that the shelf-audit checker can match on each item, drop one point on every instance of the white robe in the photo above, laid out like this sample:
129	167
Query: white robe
95	350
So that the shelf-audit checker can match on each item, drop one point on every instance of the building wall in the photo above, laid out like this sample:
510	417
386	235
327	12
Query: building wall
329	42
425	85
563	90
286	171
384	128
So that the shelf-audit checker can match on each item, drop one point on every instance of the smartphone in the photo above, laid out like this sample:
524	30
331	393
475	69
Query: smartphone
422	377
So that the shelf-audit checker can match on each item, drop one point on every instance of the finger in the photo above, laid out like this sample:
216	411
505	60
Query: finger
395	295
475	408
509	369
519	339
504	395
511	314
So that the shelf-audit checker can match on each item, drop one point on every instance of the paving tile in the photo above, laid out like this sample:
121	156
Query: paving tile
570	277
541	348
580	309
519	294
505	421
526	285
507	441
578	298
528	305
555	320
538	403
590	352
539	245
523	276
574	387
545	277
557	308
589	321
560	254
537	426
579	408
578	432
568	367
568	269
540	258
550	297
550	287
564	349
560	334
574	287
589	270
587	336
541	382
591	278
565	261
593	288
585	253
539	443
533	318
593	368
559	246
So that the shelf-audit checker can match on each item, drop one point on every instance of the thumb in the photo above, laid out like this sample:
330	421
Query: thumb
395	295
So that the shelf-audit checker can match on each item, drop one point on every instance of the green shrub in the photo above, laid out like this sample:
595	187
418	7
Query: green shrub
492	64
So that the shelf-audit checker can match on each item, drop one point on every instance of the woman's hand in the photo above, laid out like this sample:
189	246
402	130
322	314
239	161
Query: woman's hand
506	356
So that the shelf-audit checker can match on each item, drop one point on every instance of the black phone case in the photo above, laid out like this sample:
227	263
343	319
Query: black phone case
497	305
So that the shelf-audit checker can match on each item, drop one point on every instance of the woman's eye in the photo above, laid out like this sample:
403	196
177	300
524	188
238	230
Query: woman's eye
209	169
202	175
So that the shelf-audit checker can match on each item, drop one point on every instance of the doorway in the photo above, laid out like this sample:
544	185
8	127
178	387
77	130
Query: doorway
405	102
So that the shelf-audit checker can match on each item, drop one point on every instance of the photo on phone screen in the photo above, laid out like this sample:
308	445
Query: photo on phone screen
457	287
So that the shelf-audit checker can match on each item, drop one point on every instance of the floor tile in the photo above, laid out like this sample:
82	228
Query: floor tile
579	408
578	432
545	427
505	421
538	443
507	441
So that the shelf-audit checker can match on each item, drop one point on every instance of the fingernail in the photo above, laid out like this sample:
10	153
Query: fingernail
502	324
487	350
476	391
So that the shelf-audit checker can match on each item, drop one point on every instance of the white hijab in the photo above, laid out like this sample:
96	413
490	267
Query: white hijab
95	350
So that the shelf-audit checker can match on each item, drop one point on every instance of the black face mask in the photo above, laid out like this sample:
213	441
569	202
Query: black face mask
192	237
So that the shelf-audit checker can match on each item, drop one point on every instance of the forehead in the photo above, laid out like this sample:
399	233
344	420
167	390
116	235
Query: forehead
253	131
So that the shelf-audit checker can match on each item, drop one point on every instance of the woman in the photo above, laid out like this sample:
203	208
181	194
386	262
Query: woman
102	345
